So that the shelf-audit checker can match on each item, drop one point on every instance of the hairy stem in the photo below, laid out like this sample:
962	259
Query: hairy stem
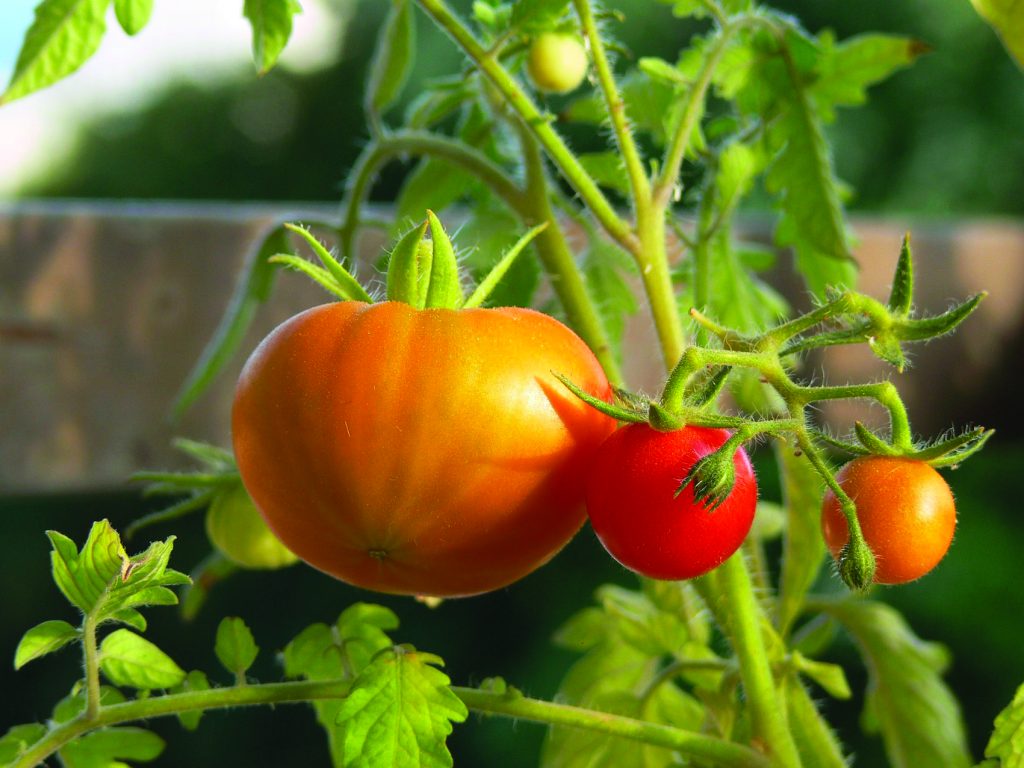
638	182
538	123
724	753
419	143
743	625
92	668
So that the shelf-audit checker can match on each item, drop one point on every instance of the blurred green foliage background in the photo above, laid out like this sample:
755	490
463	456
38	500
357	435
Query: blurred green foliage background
942	139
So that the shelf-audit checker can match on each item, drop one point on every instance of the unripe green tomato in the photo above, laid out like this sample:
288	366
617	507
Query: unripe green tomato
237	529
557	62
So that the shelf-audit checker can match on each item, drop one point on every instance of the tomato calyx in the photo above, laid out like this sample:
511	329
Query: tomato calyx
856	565
949	452
423	273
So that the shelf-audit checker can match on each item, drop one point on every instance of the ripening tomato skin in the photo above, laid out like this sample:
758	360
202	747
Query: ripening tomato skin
906	512
419	451
633	509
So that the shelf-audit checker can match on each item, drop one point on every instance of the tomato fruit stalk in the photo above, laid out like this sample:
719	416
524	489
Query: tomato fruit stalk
906	513
643	518
419	451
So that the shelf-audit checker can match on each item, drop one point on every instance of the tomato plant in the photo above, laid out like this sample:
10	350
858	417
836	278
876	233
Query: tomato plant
428	445
452	464
557	62
905	510
648	520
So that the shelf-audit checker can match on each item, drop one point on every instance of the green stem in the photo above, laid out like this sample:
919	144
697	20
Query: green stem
884	392
722	752
744	629
92	668
652	259
410	142
638	181
538	123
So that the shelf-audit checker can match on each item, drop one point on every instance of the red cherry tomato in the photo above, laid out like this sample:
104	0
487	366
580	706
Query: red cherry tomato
906	512
427	452
642	523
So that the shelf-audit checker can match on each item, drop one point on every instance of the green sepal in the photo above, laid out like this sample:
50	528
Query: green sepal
708	393
493	278
841	445
608	409
713	478
318	275
345	284
405	268
950	453
932	327
886	347
632	400
902	295
444	290
873	442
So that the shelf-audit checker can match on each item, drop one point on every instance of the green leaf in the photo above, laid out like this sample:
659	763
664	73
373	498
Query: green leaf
271	22
830	677
1007	741
409	267
235	647
607	169
318	275
19	738
607	269
363	629
815	740
133	15
194	681
42	639
64	34
108	747
444	289
738	298
83	576
392	59
129	660
538	15
251	290
917	714
399	713
845	71
803	547
1007	18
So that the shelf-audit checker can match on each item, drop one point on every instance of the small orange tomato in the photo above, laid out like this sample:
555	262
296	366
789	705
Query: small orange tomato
906	511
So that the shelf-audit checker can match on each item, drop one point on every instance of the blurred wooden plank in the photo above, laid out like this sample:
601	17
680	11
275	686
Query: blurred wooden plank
104	308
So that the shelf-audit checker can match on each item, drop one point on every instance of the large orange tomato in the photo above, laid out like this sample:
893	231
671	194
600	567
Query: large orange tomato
419	451
906	512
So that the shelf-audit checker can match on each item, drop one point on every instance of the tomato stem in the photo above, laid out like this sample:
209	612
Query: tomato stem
743	625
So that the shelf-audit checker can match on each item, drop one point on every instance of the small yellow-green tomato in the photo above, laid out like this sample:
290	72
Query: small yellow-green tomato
237	529
557	62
